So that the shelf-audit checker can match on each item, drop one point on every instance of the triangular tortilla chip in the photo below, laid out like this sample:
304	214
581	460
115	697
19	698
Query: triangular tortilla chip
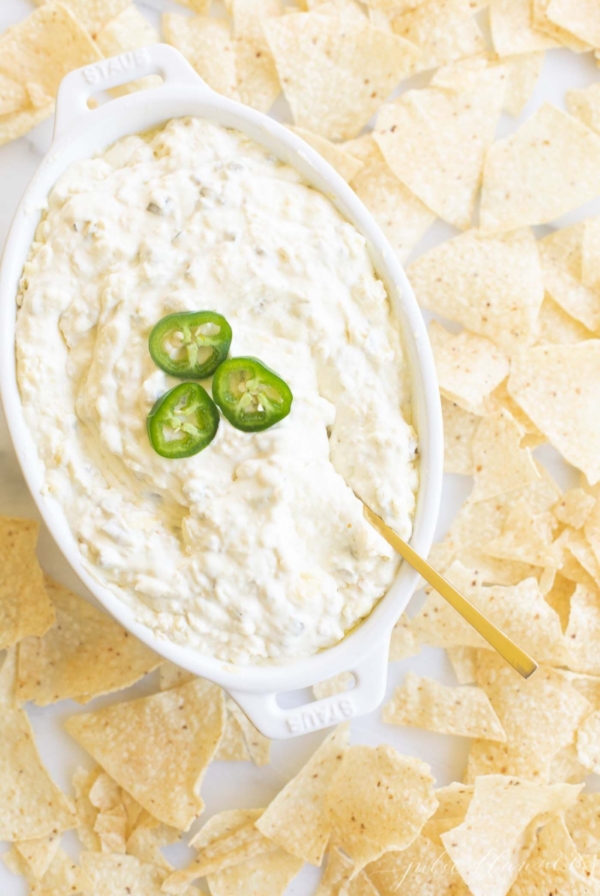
561	255
39	854
490	284
18	123
585	105
257	80
345	164
574	507
459	430
556	385
94	14
549	166
207	45
158	747
425	703
500	463
85	654
526	537
583	822
512	29
423	869
268	874
25	608
588	743
297	819
13	96
339	684
539	716
403	642
556	327
579	17
443	30
464	663
121	875
377	801
335	72
554	866
45	46
498	828
583	630
31	805
337	878
425	135
227	839
590	254
400	214
469	367
542	21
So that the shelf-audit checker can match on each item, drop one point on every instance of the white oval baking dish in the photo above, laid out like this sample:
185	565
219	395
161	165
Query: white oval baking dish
80	133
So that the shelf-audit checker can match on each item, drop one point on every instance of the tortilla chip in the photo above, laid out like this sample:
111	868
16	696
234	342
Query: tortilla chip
499	829
172	676
232	747
526	537
574	507
130	30
556	327
443	30
583	630
500	463
556	387
269	874
592	531
94	14
464	663
378	800
540	717
549	166
201	7
349	10
118	875
248	16
31	805
85	654
579	17
339	684
519	610
144	843
588	742
492	285
585	105
13	96
111	827
554	866
297	819
158	747
459	430
45	46
207	45
400	214
345	164
469	367
566	767
541	21
562	256
423	135
425	703
577	559
227	839
83	781
590	254
335	72
16	124
583	822
25	608
257	80
512	30
259	746
423	869
403	642
520	74
336	879
39	854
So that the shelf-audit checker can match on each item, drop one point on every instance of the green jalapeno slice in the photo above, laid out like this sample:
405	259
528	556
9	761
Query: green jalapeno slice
183	421
251	396
190	344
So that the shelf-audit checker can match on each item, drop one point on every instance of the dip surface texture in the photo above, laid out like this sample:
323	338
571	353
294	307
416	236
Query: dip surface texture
256	548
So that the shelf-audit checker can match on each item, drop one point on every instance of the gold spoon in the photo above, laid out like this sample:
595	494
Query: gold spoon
508	650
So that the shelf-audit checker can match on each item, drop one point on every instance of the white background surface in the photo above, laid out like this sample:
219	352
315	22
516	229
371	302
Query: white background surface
233	785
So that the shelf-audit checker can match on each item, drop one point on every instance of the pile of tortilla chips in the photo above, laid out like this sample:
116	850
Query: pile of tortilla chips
516	341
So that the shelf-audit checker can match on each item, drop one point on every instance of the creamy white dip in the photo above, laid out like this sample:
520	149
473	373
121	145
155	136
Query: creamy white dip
256	548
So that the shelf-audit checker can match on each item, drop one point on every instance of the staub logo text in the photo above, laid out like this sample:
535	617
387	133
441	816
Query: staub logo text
322	716
93	74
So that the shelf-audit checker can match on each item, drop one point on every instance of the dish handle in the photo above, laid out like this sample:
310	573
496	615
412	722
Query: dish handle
78	86
273	720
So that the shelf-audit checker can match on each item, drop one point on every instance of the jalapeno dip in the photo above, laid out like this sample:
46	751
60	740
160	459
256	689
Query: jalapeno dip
254	548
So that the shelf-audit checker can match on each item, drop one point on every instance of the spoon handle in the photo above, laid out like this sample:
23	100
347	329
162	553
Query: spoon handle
508	650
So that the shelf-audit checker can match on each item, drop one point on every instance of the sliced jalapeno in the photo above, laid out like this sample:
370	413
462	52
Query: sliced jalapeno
183	421
190	344
251	396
